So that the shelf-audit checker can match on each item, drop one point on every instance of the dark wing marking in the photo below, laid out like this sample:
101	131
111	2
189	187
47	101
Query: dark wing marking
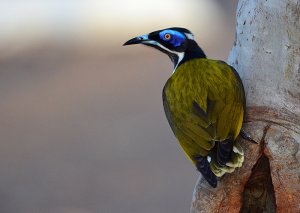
200	112
204	118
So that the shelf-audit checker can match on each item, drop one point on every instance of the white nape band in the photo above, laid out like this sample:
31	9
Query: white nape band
179	54
189	36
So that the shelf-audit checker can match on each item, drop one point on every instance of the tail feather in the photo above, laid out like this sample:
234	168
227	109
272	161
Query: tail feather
203	167
226	156
224	151
236	160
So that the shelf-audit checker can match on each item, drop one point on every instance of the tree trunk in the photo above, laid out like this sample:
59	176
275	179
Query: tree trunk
266	54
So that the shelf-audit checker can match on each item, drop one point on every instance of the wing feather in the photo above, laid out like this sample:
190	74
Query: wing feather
204	102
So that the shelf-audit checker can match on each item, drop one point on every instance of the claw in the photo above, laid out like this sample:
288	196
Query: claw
246	136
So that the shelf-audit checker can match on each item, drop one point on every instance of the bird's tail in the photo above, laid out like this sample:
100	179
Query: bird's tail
235	160
204	168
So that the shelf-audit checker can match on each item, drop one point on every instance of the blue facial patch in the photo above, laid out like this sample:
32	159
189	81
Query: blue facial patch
176	38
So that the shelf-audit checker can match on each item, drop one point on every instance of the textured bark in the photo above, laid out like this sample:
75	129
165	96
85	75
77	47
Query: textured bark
266	54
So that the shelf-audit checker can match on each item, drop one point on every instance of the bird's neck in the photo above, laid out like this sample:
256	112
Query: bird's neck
193	51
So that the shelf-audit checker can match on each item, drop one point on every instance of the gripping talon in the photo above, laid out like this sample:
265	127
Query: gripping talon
246	136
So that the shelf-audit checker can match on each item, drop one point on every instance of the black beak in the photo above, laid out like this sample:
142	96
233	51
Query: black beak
136	40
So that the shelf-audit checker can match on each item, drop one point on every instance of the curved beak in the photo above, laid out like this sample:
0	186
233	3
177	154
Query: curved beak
137	40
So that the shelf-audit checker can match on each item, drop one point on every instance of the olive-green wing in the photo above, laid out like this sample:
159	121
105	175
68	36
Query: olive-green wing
224	111
225	99
204	104
215	104
188	127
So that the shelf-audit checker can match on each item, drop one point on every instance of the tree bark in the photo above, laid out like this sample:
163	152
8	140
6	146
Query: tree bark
266	54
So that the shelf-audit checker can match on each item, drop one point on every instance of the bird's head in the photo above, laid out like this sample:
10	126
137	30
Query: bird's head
177	43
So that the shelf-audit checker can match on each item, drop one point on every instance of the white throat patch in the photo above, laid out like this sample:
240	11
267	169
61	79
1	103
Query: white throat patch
180	57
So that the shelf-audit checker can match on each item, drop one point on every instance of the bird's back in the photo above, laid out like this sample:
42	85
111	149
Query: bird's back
204	102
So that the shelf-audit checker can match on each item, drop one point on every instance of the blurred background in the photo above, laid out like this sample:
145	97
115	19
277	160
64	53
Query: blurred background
82	124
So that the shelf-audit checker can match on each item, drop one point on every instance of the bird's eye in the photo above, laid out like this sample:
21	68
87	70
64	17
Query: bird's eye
167	36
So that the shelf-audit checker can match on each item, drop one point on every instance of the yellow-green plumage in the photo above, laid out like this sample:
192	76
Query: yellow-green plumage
204	102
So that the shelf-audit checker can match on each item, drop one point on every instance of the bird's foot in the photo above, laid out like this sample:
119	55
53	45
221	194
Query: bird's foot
247	136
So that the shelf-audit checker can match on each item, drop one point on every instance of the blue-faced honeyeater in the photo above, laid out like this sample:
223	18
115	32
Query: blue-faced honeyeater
204	102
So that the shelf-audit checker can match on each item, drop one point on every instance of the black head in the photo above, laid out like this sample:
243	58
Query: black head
178	43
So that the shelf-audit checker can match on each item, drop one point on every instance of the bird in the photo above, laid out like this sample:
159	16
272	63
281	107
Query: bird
204	102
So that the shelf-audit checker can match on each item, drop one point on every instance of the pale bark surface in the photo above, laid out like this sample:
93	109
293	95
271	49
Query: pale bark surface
267	56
